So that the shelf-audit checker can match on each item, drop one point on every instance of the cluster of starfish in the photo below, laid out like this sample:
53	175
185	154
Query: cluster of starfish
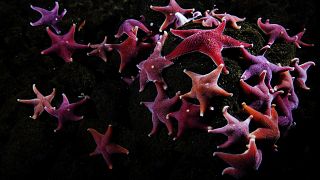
271	107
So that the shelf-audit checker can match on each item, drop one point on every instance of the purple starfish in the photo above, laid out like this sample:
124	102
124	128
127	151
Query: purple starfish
49	18
188	117
160	107
229	18
285	119
235	130
65	45
104	146
261	93
259	64
207	20
99	50
127	28
150	69
301	71
65	111
276	31
40	102
241	163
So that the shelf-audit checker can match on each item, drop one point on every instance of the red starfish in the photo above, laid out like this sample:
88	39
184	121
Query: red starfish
209	42
286	82
160	108
268	129
205	86
150	69
104	147
127	26
188	117
241	163
207	21
302	72
40	102
65	45
99	50
169	11
229	18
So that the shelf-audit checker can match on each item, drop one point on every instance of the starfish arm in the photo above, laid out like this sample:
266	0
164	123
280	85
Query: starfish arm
277	69
78	46
265	27
160	90
70	34
221	27
155	124
287	38
214	75
51	111
149	105
54	38
65	100
96	135
60	124
229	117
258	117
181	129
301	83
264	134
120	31
143	79
107	136
29	101
223	130
204	102
140	25
249	89
299	43
38	109
36	91
76	104
305	66
73	117
40	10
247	74
56	28
190	95
95	152
115	148
56	7
37	23
188	45
215	56
50	50
106	157
218	91
236	173
169	20
248	56
184	33
191	74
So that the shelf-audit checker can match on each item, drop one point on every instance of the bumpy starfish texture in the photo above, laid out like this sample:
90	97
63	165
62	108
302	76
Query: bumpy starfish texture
99	50
241	163
150	69
236	130
49	18
276	31
160	107
207	20
105	147
260	64
261	94
268	129
301	71
127	27
65	45
188	118
128	49
65	111
233	20
39	102
205	87
209	42
169	11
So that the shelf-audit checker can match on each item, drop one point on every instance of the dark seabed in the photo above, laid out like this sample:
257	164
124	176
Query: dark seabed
30	149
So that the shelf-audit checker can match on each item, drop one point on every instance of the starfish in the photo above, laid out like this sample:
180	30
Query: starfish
261	93
99	50
241	163
128	49
160	107
169	11
268	129
39	102
233	20
182	20
65	111
50	18
150	69
235	130
258	65
205	86
127	28
276	31
64	45
301	71
104	146
208	20
286	82
285	119
187	117
209	42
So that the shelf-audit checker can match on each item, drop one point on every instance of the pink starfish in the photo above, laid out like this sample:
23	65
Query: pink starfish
207	20
64	46
235	130
301	71
188	117
169	11
99	50
160	108
261	93
65	111
150	69
285	83
233	20
127	28
50	18
299	43
40	102
205	87
285	119
104	146
209	42
260	64
276	31
241	163
268	129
